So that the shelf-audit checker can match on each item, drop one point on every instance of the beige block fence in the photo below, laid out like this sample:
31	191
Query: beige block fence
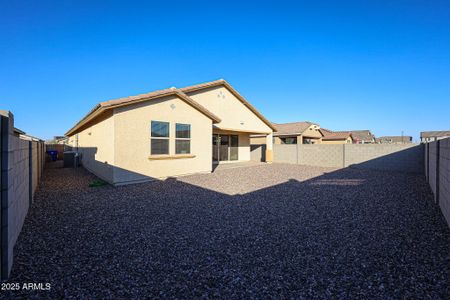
437	172
21	163
388	157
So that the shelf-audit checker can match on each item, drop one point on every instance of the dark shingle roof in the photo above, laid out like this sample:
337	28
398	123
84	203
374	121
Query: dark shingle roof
426	134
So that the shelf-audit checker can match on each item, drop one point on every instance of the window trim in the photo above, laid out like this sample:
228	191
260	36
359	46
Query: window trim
183	139
159	138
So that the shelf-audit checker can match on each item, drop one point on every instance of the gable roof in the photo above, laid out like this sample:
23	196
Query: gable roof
425	134
362	135
325	131
337	135
104	106
222	82
294	128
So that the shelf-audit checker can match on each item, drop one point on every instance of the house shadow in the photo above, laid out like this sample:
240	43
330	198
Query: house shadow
409	160
258	152
299	237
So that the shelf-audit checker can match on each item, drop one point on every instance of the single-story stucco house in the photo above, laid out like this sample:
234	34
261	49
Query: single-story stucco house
297	133
336	137
170	132
397	139
363	137
292	133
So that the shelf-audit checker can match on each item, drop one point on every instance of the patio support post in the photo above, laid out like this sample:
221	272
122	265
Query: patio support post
269	148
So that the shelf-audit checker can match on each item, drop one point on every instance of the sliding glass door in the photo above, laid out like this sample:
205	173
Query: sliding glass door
225	147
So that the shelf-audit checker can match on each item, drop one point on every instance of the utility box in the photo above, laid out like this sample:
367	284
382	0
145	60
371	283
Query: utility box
71	159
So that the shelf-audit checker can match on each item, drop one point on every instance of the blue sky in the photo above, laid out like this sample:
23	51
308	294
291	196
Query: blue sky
379	65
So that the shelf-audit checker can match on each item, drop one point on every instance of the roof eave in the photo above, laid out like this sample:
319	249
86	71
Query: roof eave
88	117
234	92
101	107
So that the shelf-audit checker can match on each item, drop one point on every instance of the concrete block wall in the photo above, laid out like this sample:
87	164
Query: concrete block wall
21	165
437	172
258	153
285	153
432	166
386	157
34	167
426	160
38	161
321	155
404	158
18	194
444	177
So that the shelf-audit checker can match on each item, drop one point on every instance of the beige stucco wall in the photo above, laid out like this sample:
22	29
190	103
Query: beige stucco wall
258	140
132	140
244	147
233	113
117	147
235	116
96	145
312	132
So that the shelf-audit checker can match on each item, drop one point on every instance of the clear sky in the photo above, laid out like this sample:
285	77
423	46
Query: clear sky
379	65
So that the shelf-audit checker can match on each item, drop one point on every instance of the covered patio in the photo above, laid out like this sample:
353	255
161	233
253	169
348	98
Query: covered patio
233	146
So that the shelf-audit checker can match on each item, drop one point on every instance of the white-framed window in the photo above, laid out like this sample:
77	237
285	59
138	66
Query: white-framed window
159	141
182	138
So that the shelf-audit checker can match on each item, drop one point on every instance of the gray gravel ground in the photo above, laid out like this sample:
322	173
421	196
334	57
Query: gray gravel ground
271	231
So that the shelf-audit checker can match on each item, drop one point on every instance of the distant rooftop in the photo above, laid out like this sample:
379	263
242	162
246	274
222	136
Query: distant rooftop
294	128
427	134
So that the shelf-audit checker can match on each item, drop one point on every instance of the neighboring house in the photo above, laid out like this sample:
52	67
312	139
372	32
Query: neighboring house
394	139
292	133
363	137
336	137
62	140
170	132
431	136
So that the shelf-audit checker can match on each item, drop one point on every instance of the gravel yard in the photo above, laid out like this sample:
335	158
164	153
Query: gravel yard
267	231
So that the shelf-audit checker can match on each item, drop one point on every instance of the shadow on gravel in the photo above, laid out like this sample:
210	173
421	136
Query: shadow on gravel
306	233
